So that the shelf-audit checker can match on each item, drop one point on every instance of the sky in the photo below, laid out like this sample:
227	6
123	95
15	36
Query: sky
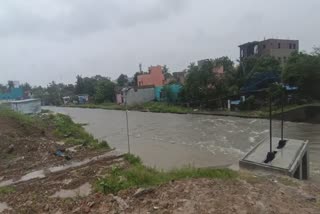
56	40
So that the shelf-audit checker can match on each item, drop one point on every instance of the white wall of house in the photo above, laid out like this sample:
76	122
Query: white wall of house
140	96
29	106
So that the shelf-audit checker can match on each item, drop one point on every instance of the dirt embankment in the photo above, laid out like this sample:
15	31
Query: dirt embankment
25	150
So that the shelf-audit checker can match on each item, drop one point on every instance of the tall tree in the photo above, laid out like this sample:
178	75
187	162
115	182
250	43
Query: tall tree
303	70
105	91
122	80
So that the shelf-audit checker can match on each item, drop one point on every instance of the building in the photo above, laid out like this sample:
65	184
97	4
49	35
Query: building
180	77
135	95
28	106
174	90
281	49
14	94
154	77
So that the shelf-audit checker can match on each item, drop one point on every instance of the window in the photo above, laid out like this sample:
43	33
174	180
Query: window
290	46
279	58
279	45
264	46
294	46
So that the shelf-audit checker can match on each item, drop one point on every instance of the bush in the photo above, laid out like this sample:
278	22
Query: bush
248	104
132	159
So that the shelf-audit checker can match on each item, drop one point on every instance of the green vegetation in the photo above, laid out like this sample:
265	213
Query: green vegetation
160	107
150	106
7	190
74	133
132	159
24	120
138	175
107	106
62	125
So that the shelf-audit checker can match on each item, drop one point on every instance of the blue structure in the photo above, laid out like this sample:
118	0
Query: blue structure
175	89
14	94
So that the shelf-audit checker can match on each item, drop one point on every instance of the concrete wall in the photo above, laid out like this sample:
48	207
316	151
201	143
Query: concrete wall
30	106
138	96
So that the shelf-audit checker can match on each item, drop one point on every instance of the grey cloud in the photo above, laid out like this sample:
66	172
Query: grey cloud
45	40
83	17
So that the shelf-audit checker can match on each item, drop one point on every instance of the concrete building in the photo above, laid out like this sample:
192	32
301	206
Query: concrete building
135	95
180	77
29	106
281	49
154	77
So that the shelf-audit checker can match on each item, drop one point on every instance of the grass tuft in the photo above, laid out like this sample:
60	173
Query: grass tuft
138	175
7	190
74	133
132	159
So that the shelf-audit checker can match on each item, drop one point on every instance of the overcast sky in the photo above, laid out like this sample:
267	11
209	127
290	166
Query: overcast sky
46	40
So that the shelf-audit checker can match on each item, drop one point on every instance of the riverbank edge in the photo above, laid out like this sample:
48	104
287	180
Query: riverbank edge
256	114
247	114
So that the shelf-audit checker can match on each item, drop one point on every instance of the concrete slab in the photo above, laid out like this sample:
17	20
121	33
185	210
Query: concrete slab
293	157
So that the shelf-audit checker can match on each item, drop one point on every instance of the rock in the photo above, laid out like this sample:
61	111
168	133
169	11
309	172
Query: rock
156	208
76	210
46	207
86	209
91	204
312	199
10	149
122	204
142	191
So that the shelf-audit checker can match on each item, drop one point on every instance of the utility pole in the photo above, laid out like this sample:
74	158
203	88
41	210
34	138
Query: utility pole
126	106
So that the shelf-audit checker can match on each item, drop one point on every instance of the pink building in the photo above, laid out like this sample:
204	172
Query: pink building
155	77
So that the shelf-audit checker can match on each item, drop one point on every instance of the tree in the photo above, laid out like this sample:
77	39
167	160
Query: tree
165	69
303	70
10	84
168	94
135	78
122	80
200	83
105	91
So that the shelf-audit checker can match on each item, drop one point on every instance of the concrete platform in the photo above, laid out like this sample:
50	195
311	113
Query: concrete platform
292	160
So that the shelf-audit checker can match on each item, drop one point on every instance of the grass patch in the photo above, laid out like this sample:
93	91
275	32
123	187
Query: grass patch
138	175
288	181
160	107
150	106
74	133
7	190
132	159
19	117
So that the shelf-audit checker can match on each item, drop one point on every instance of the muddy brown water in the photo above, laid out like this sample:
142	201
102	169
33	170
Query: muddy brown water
169	141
